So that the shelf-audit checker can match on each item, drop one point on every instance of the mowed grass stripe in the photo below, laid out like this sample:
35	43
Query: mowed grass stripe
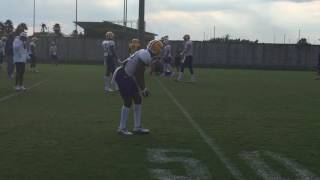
19	93
215	148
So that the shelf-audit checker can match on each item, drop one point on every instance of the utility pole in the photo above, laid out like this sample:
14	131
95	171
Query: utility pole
34	16
284	39
77	16
214	32
299	36
141	26
125	12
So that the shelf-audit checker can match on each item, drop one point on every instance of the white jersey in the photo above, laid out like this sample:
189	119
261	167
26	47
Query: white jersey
167	51
20	51
107	45
142	55
2	47
188	50
32	48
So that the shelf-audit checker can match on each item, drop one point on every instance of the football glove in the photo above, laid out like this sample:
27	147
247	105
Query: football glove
145	93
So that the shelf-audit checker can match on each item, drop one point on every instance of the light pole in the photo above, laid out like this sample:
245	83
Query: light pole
141	26
77	16
34	16
125	12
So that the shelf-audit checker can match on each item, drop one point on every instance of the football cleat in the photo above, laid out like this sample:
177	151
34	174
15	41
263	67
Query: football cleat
141	130
22	88
17	88
125	132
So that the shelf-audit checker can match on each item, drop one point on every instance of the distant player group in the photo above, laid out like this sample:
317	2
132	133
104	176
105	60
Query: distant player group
17	49
129	79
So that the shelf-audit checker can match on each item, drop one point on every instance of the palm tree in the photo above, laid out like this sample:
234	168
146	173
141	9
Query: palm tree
8	26
2	28
43	27
21	28
57	29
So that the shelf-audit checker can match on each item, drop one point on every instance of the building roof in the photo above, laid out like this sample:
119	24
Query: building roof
97	29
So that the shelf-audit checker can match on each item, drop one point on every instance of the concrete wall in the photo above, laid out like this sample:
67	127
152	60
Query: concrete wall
275	56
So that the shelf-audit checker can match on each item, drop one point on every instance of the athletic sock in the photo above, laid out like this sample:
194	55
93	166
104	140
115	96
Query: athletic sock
180	76
137	115
107	82
124	117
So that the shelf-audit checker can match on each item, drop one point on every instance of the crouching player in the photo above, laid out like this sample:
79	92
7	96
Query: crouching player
130	79
109	60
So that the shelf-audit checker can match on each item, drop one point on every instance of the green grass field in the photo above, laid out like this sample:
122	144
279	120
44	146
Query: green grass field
231	124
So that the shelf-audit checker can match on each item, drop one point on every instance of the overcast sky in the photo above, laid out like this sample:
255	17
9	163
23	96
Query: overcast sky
265	20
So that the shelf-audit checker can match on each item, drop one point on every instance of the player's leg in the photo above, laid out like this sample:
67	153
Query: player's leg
10	66
109	71
18	76
180	76
107	75
190	65
125	88
137	116
22	71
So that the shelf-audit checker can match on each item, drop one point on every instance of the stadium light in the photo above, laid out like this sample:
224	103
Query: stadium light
34	16
77	16
141	26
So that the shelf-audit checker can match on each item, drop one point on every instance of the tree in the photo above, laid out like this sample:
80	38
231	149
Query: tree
8	26
303	41
57	29
2	29
44	27
21	28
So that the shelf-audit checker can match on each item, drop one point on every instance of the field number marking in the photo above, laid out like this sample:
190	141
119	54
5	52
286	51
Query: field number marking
194	168
208	140
266	172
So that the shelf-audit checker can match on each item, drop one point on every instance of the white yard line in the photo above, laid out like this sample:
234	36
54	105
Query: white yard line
2	99
214	147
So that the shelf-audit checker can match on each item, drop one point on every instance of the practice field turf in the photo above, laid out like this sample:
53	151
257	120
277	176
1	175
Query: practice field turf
231	124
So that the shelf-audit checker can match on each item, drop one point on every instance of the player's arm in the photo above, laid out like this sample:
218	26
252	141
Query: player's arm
139	77
113	52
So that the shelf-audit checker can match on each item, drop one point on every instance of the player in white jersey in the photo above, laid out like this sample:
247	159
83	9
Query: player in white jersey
130	79
187	61
32	54
110	56
167	57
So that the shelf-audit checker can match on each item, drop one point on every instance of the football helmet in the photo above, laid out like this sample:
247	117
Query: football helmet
155	47
186	37
109	35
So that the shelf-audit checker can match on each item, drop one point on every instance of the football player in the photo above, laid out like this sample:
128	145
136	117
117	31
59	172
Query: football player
20	54
134	46
109	60
130	79
187	61
2	49
32	54
167	57
318	68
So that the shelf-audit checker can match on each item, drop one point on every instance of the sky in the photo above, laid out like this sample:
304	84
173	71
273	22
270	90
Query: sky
264	20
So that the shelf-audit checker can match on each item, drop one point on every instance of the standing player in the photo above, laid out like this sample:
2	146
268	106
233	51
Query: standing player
109	60
32	54
130	79
20	54
177	61
54	53
318	68
167	57
134	46
187	53
2	49
9	51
